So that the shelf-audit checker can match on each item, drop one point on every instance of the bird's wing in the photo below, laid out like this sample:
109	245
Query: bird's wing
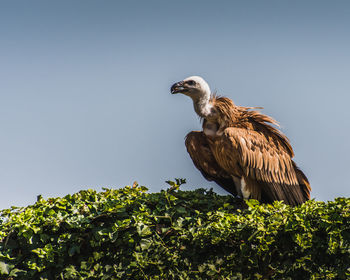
262	160
198	147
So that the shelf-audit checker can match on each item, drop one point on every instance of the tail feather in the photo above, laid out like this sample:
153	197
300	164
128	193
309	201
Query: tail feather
303	182
290	194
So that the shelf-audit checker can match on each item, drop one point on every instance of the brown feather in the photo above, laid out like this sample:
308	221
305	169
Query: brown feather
198	147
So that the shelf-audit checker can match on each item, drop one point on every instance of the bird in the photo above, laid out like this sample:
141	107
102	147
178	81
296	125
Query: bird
241	149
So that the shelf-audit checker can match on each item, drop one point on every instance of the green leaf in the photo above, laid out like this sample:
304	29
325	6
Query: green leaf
145	243
4	268
143	230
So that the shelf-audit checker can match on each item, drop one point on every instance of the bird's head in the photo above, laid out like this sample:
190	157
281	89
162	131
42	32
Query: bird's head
195	87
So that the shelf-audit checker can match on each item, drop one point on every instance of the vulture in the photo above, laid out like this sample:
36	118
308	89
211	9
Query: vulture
241	149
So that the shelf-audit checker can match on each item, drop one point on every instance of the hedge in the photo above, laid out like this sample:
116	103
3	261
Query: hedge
129	233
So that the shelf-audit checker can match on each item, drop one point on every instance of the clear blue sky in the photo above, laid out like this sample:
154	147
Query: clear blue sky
84	91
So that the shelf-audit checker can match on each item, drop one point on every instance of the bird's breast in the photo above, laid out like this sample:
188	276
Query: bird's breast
210	128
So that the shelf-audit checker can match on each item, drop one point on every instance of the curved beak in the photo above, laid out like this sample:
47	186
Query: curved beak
177	87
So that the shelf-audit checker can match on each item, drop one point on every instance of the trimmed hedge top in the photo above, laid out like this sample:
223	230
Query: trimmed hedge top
131	234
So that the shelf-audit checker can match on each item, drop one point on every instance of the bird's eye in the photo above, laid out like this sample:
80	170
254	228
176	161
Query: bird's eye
191	83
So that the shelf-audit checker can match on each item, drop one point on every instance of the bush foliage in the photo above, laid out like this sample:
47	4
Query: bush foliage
131	234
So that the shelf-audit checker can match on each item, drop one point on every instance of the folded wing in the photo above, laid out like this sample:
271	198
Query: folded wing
198	147
263	162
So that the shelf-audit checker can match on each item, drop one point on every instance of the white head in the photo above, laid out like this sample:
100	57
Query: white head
198	89
195	87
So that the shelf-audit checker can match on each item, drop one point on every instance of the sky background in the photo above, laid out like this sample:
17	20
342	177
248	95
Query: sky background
84	88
